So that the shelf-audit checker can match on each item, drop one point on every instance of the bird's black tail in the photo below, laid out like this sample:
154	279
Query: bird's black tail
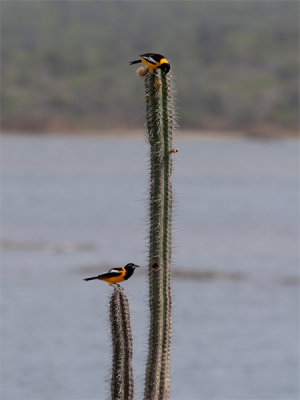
135	62
90	279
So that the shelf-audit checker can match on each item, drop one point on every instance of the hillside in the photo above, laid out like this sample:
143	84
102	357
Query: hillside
66	63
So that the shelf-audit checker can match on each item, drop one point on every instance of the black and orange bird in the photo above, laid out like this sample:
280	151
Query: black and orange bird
116	275
154	61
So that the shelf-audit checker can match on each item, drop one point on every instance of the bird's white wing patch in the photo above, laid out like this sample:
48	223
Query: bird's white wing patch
150	60
113	270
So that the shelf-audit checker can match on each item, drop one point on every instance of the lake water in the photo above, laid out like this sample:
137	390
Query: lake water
74	206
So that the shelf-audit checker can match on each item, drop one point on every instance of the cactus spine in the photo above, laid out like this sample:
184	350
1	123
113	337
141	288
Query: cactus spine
160	123
122	386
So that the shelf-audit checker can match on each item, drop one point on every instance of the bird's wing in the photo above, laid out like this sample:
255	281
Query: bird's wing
111	273
150	57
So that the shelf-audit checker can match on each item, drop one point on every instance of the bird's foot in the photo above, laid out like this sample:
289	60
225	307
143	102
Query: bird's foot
117	286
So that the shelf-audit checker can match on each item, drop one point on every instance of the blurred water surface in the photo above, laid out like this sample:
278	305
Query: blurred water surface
72	206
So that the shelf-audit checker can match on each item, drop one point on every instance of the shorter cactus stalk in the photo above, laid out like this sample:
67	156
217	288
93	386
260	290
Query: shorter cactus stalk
122	383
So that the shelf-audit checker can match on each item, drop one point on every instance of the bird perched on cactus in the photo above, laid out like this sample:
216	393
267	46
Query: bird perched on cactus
116	275
154	61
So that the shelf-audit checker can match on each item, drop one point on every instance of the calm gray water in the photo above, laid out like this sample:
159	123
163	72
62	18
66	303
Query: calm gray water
72	206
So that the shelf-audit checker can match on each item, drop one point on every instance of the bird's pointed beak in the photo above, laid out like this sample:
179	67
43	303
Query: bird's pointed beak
136	266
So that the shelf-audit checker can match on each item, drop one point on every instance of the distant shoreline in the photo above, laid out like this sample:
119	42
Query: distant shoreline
263	134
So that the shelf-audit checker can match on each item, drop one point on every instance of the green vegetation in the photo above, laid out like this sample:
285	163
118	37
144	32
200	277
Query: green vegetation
65	63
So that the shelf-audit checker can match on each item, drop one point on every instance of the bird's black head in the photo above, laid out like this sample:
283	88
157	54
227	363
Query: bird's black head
131	266
165	68
129	270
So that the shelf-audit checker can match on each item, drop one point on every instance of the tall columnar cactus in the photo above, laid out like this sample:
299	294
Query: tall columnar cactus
122	387
160	123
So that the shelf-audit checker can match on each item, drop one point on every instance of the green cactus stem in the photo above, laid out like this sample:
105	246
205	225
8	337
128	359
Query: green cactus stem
122	384
155	274
160	123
